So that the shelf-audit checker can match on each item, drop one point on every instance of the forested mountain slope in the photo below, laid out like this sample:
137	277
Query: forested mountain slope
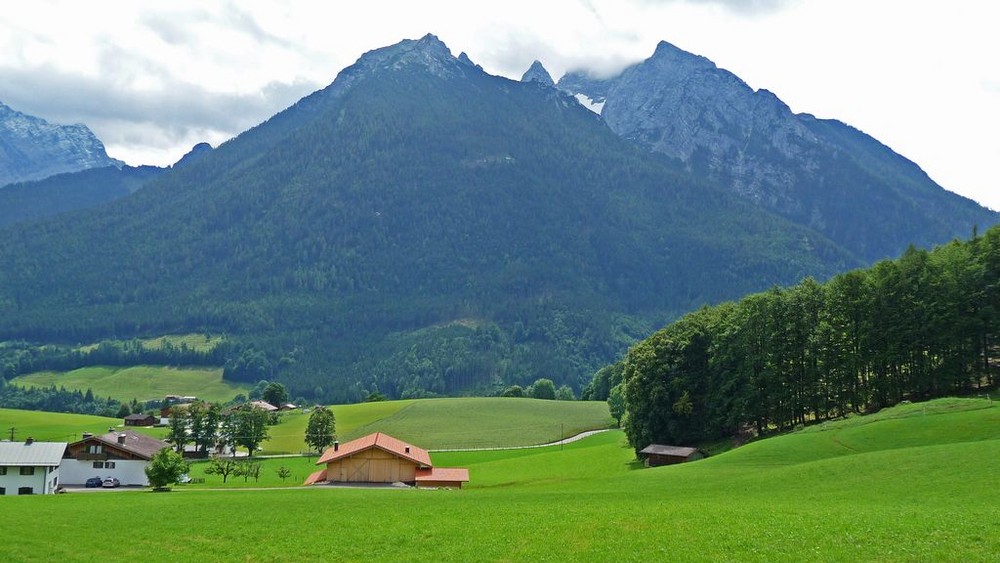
417	227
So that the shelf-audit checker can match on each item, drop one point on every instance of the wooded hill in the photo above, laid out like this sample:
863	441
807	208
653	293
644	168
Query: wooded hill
922	326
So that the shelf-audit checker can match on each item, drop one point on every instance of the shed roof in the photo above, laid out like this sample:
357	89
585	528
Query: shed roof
660	449
34	454
316	477
381	441
139	417
453	474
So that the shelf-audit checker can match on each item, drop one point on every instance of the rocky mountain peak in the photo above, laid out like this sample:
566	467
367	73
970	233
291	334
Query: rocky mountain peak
537	73
428	52
668	53
31	148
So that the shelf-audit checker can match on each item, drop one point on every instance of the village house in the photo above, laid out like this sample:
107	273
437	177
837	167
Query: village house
380	458
658	454
30	467
123	455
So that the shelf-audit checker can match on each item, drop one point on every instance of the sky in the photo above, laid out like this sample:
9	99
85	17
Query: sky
152	79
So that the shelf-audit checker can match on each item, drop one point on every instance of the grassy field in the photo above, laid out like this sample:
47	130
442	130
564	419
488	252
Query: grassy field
51	427
864	489
452	423
139	382
198	342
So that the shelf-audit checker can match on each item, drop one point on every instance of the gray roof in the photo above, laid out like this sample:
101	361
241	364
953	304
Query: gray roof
34	454
659	449
135	442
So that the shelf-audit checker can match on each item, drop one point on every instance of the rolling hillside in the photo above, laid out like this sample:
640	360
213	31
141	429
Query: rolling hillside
799	496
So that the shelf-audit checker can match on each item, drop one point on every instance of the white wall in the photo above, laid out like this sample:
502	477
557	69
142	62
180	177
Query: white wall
44	481
129	472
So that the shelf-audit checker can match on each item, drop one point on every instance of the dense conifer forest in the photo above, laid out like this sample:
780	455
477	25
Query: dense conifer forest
921	326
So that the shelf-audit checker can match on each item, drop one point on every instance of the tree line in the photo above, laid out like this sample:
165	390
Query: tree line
921	326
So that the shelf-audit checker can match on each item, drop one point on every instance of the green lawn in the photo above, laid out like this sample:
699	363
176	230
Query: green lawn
139	382
790	498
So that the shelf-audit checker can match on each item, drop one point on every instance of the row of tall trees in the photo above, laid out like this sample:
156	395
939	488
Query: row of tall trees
208	427
914	328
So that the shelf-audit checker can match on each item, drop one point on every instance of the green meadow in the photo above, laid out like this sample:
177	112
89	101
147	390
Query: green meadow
51	427
913	483
139	382
474	422
197	342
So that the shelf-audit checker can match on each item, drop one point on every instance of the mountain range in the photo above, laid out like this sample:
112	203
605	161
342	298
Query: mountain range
819	173
32	148
421	227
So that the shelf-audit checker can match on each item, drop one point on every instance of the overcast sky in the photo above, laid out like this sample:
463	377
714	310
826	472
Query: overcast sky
152	79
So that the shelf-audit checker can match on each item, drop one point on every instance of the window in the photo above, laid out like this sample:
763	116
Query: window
98	465
109	465
3	491
25	490
3	470
95	449
27	471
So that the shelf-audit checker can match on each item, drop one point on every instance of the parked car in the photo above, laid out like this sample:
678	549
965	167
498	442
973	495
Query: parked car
110	483
93	482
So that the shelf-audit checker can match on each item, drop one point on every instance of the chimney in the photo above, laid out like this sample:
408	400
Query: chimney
121	438
29	441
88	435
407	449
336	445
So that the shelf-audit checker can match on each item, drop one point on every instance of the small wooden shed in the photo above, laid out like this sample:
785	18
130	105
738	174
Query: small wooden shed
659	454
140	420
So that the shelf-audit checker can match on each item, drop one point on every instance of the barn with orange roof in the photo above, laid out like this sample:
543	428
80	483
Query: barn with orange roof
380	458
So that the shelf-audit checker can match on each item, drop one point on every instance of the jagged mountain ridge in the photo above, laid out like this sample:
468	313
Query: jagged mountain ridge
819	173
31	148
417	226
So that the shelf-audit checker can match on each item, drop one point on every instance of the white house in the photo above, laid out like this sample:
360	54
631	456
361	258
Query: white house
30	467
121	454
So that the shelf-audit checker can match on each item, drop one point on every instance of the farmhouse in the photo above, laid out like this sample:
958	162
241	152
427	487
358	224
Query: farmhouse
30	467
658	454
123	455
380	458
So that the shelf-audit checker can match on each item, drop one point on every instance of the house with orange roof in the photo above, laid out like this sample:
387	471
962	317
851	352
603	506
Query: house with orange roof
380	458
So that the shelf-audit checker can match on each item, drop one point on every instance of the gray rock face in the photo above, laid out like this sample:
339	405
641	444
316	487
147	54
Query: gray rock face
428	52
819	173
32	148
537	73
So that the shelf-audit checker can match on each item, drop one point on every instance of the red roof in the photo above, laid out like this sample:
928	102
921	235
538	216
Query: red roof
381	441
316	477
452	474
